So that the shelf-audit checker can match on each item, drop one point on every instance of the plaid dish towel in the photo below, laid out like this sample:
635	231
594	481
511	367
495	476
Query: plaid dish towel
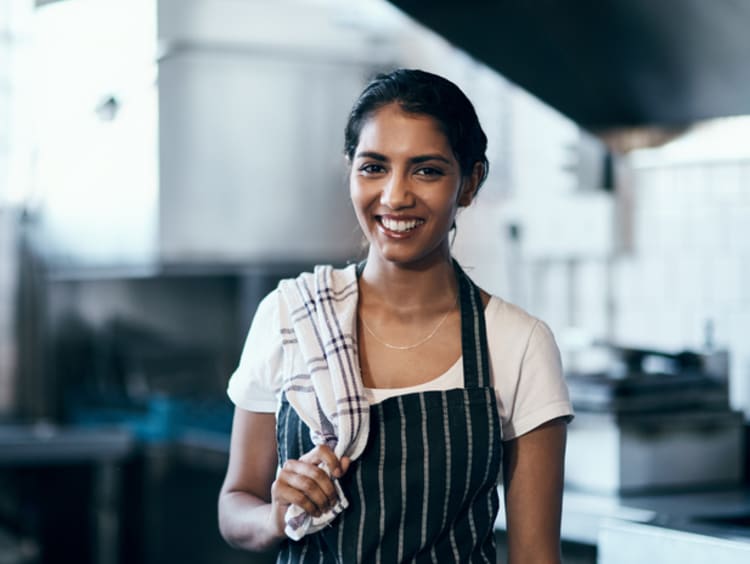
321	372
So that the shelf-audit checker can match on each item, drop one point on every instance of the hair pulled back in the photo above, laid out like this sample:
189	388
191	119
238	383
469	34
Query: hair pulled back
424	93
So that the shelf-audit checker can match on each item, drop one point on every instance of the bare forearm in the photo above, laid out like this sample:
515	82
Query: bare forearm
248	522
533	476
534	555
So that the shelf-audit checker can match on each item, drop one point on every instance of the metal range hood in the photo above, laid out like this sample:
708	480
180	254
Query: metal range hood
634	72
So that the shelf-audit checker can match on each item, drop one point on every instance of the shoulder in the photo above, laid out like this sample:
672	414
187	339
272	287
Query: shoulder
506	320
526	369
267	309
519	342
322	276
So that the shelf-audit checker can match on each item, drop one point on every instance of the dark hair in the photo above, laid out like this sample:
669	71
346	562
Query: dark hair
420	92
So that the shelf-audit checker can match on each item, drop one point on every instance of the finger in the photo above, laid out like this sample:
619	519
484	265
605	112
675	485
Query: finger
345	462
324	454
315	473
285	495
310	480
289	493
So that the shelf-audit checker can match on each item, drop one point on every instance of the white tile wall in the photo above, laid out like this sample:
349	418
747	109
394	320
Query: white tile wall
592	295
688	266
690	263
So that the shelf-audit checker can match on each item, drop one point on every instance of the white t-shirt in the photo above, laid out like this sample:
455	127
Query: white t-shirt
525	368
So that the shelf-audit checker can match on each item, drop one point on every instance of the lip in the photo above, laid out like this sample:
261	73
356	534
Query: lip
398	234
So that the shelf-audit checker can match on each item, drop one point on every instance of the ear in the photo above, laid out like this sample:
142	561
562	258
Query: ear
470	185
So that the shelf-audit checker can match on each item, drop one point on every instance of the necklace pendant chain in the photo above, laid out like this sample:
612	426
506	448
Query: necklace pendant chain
414	345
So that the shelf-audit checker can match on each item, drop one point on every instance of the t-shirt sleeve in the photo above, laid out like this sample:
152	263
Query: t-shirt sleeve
541	393
526	369
255	383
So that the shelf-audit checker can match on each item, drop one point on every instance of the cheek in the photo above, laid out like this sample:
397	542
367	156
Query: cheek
357	198
354	192
360	192
443	201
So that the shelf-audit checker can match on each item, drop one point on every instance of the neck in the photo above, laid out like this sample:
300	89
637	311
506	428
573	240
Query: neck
408	287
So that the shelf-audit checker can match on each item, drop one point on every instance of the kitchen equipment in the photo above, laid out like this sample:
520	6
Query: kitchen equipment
654	421
640	452
640	380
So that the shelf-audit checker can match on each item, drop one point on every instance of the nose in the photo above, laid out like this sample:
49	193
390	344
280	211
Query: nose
396	193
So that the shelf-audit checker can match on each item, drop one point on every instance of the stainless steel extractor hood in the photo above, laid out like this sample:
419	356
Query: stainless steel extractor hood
610	65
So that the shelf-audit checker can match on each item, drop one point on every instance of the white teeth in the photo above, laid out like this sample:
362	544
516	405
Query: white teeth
400	225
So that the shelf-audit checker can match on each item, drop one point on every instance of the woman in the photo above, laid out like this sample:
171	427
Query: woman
376	405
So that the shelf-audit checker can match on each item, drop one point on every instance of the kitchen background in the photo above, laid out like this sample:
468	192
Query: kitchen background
164	163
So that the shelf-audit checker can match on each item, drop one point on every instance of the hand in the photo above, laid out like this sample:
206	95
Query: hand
301	482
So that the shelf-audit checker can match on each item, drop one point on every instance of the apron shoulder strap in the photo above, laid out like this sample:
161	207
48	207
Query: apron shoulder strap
473	332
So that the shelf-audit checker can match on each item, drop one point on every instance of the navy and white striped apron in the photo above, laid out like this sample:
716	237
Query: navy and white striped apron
425	488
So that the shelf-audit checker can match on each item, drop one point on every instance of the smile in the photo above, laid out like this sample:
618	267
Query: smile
399	225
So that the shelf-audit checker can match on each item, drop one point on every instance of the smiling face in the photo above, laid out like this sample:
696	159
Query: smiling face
406	186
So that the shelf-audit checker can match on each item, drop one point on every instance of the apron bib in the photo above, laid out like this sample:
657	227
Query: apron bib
425	487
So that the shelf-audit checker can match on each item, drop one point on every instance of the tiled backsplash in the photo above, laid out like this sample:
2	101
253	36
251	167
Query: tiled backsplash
687	277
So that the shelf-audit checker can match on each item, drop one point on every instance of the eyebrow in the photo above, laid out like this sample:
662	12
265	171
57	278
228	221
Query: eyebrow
415	160
371	155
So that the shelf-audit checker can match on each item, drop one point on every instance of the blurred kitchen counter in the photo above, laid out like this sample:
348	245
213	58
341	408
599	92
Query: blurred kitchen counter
44	443
712	518
584	514
622	542
49	446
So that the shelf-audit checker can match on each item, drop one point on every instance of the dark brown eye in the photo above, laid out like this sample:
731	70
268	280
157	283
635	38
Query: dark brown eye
371	168
429	171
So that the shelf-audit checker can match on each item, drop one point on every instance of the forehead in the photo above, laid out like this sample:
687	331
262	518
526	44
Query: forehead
392	130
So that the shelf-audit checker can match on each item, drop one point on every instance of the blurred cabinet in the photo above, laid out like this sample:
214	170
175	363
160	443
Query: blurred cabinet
252	165
253	101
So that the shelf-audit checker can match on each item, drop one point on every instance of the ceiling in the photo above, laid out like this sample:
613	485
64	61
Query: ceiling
609	64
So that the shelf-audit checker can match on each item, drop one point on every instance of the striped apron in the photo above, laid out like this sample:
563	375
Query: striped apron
425	487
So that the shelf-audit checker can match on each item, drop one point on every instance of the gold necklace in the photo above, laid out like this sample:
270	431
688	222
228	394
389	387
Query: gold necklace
415	345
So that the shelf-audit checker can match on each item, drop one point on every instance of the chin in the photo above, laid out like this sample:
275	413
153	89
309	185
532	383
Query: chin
411	259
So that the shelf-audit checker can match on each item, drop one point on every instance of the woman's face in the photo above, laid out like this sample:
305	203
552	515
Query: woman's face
406	186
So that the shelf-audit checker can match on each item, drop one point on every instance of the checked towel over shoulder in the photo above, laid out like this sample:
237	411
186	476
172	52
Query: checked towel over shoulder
321	372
